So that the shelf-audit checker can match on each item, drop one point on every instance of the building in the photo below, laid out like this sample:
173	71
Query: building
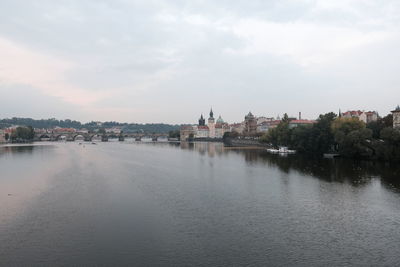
202	131
213	129
2	136
250	124
63	130
237	127
370	116
263	119
296	123
263	127
211	125
187	132
114	130
83	131
221	127
396	118
366	117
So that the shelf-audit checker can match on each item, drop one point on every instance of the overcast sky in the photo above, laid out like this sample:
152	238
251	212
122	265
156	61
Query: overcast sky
169	61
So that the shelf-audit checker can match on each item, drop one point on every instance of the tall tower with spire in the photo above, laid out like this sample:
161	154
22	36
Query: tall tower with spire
211	124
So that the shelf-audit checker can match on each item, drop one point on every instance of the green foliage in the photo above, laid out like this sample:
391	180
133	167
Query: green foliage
347	125
91	126
279	136
389	147
174	134
379	125
23	134
352	137
354	144
230	135
315	139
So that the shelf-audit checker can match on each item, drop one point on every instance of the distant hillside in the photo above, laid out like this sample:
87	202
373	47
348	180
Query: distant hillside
126	127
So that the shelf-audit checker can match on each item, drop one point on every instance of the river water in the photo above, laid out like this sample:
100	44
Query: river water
145	204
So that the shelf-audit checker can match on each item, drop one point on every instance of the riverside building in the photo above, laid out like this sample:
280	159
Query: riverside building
214	129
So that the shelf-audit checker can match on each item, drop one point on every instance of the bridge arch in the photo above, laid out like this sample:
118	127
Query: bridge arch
78	137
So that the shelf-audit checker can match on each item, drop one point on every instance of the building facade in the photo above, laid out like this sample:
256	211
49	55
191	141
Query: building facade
250	124
265	126
187	132
214	129
365	116
296	123
2	136
211	125
396	118
237	127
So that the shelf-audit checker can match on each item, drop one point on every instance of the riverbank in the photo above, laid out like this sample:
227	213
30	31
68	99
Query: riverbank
236	142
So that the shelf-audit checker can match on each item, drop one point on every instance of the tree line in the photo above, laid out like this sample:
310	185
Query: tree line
91	126
348	137
21	135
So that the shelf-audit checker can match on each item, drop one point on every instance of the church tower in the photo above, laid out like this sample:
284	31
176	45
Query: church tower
211	125
202	121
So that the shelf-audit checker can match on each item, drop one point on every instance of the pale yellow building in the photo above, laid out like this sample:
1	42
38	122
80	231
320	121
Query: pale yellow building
2	136
396	118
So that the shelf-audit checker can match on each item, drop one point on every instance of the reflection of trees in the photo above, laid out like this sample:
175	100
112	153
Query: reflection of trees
336	170
332	170
16	149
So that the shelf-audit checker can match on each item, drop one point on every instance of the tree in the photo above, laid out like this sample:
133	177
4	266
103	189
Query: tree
389	148
378	125
346	125
174	134
352	137
23	134
315	139
279	136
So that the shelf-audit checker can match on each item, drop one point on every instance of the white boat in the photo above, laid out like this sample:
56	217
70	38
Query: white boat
281	150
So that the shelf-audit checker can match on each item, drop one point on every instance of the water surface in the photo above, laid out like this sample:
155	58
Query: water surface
133	204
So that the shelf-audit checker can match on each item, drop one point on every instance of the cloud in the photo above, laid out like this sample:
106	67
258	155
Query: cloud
170	60
22	66
304	43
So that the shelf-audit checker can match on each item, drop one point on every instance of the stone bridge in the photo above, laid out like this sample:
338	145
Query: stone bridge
89	137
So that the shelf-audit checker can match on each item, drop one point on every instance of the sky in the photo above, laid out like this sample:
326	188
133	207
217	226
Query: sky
169	61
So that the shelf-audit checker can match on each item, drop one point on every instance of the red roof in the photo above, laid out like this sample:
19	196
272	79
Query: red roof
202	127
353	113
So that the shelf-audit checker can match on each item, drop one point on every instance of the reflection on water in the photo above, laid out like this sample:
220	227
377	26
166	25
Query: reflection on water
16	149
191	204
354	172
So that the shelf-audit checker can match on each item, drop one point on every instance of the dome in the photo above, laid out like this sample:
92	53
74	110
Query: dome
220	120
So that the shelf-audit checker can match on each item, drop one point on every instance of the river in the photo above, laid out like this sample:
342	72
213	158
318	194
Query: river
160	204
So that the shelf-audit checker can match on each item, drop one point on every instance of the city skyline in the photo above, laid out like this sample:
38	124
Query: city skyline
167	62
